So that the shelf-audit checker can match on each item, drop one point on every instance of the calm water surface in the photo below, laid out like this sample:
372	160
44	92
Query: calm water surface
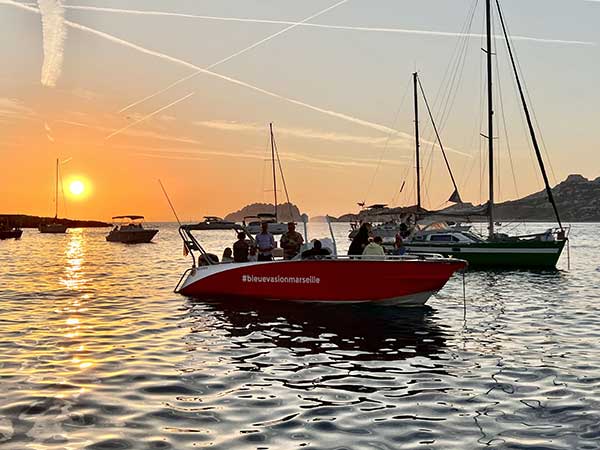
96	352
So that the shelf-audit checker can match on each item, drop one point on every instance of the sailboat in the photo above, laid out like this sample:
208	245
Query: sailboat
540	250
254	223
54	226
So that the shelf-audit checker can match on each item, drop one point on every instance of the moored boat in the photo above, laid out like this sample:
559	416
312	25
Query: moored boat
54	227
389	280
10	233
131	232
254	224
214	223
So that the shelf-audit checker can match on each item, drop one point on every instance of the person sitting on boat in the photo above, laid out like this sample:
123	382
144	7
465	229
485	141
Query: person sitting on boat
316	252
241	248
291	241
361	240
266	243
227	256
399	248
374	248
253	254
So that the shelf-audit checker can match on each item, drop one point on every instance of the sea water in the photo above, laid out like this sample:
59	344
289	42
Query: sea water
97	352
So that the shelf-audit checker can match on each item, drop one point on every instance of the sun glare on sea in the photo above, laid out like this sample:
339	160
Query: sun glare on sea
77	187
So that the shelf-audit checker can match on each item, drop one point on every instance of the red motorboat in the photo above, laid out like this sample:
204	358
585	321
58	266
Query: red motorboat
397	280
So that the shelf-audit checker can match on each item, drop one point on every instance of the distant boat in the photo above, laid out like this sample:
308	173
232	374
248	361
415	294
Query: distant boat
8	232
130	232
214	223
54	227
254	224
275	226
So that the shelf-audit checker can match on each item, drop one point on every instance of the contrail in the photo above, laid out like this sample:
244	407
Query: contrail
54	34
114	39
238	53
324	26
114	133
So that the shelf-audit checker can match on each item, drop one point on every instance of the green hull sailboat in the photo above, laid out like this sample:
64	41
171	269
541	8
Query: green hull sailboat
497	250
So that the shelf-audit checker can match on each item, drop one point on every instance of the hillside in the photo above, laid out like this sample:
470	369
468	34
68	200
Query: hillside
25	221
577	198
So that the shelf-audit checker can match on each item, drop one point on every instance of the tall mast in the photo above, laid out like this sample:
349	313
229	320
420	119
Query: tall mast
273	161
417	141
490	136
56	192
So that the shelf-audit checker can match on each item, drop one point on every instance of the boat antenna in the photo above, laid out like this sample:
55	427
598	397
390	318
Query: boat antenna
169	200
273	163
528	118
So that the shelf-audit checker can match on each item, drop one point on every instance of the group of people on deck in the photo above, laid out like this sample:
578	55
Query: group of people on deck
262	250
291	242
365	245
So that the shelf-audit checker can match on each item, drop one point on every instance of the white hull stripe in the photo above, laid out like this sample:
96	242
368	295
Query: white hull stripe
467	250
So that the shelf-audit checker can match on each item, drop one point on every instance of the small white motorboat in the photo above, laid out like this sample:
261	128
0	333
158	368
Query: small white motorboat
131	231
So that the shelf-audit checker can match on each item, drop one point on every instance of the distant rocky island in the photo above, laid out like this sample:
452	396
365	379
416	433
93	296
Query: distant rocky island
24	221
285	212
577	198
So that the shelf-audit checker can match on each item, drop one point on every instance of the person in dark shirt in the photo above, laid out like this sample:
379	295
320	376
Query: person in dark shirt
240	248
316	252
361	240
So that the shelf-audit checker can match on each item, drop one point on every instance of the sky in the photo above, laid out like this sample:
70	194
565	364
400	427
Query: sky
78	83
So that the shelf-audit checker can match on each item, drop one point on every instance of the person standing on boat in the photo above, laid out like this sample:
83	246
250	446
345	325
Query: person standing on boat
265	243
240	248
361	240
291	242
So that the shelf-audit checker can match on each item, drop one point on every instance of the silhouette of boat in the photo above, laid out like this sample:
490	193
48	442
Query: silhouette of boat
131	232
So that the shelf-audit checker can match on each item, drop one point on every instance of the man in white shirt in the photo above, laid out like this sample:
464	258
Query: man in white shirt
265	243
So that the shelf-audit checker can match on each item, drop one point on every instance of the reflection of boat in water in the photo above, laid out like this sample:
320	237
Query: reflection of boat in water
215	223
131	232
54	227
363	332
397	280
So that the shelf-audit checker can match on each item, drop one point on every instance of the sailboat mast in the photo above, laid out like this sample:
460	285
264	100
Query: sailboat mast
417	140
490	136
273	161
56	192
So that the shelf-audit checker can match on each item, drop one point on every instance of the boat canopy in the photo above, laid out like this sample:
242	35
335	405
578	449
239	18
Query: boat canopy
213	218
132	217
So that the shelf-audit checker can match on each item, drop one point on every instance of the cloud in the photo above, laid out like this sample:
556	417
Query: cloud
54	34
305	24
11	107
238	53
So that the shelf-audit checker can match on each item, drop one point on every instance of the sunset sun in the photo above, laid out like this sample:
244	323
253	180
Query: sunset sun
76	188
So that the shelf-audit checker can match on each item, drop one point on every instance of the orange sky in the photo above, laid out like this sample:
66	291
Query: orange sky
333	96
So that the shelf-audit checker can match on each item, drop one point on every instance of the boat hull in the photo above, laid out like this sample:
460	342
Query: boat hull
11	234
408	283
518	254
131	236
53	228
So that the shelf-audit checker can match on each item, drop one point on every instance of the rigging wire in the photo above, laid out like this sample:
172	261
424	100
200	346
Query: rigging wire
505	128
385	147
529	101
283	179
